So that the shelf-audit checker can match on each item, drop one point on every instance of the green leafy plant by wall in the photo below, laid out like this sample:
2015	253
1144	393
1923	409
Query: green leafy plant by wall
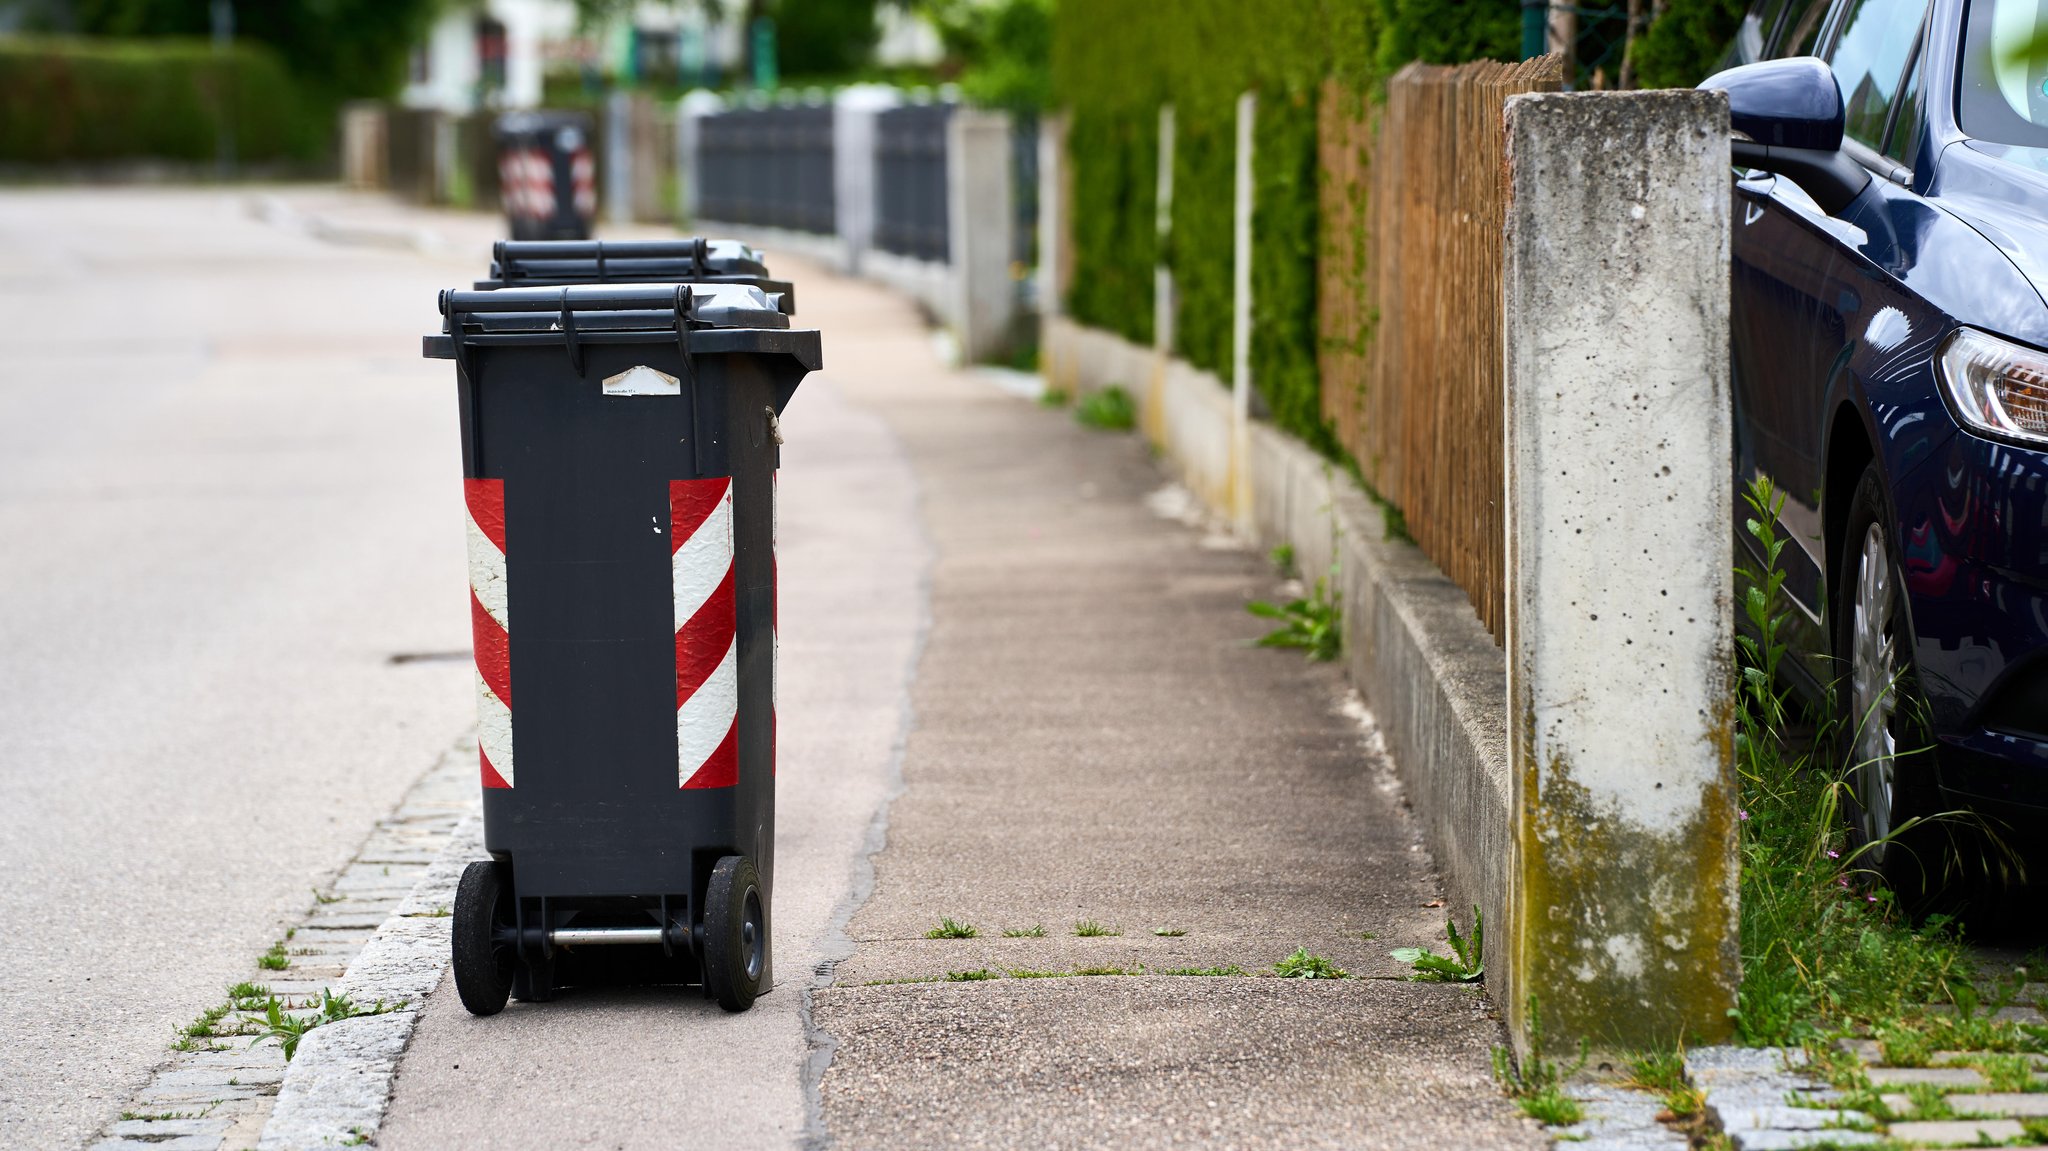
1685	43
73	100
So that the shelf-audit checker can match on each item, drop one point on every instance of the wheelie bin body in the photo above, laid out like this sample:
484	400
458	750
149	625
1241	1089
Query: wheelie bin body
619	447
547	177
693	259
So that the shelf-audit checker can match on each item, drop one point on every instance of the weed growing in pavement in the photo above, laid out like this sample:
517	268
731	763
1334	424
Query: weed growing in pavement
1226	969
1055	398
1537	1084
2036	1129
1026	973
157	1116
323	897
247	996
952	929
1169	932
1825	950
1109	971
2008	1072
1302	965
289	1029
1282	556
1089	929
1929	1101
1463	965
1110	409
974	976
208	1023
1663	1072
1313	623
1902	1045
275	959
910	979
1035	931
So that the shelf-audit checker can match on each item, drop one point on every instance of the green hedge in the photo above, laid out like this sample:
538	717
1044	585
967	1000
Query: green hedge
96	100
1116	61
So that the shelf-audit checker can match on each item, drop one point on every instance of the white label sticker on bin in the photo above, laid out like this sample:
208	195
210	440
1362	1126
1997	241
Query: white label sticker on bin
641	380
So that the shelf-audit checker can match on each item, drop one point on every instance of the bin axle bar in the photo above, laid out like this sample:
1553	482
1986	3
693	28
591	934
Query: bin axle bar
593	936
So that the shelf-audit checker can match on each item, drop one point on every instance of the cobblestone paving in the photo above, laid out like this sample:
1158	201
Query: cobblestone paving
219	1087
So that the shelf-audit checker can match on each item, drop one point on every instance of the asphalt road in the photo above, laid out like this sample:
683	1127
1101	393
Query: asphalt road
229	494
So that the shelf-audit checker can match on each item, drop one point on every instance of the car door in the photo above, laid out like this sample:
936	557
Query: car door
1795	310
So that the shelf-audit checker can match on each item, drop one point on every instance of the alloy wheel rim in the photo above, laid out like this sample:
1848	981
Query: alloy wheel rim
1873	674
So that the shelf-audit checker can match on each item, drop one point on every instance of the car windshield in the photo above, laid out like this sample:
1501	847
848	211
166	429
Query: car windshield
2004	96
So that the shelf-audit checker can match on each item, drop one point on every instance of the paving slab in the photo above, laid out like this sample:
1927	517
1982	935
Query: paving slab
2002	1103
1096	738
1956	1077
1957	1132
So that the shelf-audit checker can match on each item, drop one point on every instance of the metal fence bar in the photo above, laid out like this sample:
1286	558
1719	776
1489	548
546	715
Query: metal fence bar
911	217
768	166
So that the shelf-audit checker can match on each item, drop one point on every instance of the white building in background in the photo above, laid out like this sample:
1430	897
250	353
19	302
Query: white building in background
496	53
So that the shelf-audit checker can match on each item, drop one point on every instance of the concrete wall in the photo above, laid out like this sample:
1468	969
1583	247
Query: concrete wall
1620	533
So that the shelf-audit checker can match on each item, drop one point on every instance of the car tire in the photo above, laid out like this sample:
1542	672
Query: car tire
1882	735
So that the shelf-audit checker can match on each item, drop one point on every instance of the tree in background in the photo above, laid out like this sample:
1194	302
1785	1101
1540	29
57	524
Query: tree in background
1000	52
337	48
1448	31
1684	44
824	37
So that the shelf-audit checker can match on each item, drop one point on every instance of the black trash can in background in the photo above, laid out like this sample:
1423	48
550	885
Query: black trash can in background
619	446
693	259
547	177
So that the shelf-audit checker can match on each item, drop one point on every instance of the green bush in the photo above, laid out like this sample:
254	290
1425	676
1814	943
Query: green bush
1116	61
1682	47
92	101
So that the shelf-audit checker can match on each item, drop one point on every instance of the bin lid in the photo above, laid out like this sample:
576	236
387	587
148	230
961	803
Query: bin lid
704	317
694	259
544	123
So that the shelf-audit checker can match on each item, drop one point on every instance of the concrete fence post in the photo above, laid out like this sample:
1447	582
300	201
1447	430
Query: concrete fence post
1152	413
617	183
1241	321
981	216
1620	627
362	144
853	165
1052	215
690	113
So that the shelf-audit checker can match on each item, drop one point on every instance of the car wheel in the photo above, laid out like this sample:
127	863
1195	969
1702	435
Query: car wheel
1884	738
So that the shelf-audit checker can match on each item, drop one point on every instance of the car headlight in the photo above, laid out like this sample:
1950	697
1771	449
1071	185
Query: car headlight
1996	387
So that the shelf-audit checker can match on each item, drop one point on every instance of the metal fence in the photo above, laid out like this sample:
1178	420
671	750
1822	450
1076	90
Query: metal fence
1409	284
768	166
911	215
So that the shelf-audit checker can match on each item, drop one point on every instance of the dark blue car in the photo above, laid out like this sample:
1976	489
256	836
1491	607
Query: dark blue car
1890	265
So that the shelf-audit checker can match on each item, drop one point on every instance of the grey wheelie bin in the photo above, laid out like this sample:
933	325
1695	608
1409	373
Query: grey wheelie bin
693	259
547	175
619	447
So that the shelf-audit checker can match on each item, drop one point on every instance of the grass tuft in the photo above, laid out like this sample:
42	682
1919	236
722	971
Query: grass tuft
974	976
1035	931
1226	969
1109	971
275	959
1109	409
1302	965
1090	929
952	929
1169	932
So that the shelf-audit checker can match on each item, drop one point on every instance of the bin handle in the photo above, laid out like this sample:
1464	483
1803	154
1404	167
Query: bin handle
569	334
689	370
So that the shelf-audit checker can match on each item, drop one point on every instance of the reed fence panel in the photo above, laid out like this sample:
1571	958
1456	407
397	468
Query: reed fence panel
1409	302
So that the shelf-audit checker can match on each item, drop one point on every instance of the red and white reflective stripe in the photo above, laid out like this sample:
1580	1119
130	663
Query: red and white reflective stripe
527	183
583	178
707	652
490	628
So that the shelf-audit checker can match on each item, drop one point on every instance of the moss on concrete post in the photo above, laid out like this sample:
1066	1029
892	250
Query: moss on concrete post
1622	895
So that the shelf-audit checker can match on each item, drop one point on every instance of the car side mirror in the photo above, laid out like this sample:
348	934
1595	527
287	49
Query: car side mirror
1787	119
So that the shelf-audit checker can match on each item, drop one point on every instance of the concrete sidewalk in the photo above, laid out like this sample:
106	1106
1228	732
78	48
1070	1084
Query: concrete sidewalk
1095	739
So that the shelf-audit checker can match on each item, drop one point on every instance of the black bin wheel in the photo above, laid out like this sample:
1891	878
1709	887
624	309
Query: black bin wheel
735	934
484	965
